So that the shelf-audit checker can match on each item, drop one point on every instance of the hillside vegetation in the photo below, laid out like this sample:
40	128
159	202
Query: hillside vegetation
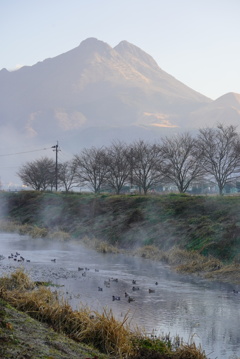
209	225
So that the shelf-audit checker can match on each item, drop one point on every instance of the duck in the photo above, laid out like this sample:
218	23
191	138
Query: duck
126	295
135	288
115	298
134	281
100	289
130	299
156	283
151	290
107	283
115	279
53	260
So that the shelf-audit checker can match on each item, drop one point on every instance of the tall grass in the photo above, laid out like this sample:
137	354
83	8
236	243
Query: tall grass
100	330
100	246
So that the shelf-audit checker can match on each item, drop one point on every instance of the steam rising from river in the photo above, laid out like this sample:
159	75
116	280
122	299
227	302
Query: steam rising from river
179	305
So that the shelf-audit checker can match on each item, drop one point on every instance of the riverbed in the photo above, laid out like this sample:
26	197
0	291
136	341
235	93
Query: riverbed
161	301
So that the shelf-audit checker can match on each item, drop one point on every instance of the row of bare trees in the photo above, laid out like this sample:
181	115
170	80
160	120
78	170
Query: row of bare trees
180	160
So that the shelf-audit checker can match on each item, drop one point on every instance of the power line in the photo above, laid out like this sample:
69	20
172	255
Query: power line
19	153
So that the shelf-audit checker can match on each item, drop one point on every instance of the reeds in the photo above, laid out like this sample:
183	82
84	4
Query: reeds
100	246
192	261
150	252
102	331
9	226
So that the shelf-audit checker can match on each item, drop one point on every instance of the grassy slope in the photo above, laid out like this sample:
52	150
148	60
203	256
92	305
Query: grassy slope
210	225
24	337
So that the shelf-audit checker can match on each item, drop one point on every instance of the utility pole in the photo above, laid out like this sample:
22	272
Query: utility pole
56	165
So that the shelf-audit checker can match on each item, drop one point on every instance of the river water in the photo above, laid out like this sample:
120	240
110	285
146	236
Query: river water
163	302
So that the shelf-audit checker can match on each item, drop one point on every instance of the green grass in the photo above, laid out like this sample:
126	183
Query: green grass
208	224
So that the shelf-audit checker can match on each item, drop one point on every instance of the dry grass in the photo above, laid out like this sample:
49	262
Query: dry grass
9	226
59	235
150	252
228	273
33	231
190	351
23	229
192	261
102	331
100	246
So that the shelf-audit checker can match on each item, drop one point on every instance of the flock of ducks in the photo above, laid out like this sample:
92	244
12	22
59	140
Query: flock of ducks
107	284
17	257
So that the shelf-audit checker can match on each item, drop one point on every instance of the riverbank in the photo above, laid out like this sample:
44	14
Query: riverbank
24	337
196	234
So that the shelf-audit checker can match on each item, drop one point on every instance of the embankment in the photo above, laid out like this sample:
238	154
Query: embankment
199	225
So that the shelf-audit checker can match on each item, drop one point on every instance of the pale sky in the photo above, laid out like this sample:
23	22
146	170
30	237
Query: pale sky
196	41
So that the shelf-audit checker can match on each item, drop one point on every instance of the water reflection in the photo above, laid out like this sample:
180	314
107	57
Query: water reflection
208	312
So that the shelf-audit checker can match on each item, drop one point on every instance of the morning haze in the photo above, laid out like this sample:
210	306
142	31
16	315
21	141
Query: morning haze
94	94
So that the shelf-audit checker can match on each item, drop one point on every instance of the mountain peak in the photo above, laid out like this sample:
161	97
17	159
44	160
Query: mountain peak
128	50
231	99
92	44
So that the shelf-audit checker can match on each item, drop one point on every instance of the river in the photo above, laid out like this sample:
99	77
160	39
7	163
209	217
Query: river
163	301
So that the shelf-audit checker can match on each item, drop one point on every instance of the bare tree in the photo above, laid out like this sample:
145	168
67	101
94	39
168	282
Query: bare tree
38	174
221	150
146	162
67	175
182	161
118	166
92	168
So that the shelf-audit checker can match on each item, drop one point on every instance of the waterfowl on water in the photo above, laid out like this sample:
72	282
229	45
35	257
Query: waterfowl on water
151	290
100	289
126	295
130	299
235	291
114	279
80	268
156	283
107	283
134	281
115	298
53	260
135	288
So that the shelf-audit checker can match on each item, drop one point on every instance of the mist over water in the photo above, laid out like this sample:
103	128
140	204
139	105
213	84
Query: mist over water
180	305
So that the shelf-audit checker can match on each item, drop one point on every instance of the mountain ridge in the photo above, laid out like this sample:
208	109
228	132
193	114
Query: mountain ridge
96	85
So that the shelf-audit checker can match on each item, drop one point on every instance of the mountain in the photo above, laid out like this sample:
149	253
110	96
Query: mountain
94	94
94	85
226	109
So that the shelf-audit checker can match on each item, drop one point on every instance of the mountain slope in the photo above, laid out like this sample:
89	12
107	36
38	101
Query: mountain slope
94	85
225	109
